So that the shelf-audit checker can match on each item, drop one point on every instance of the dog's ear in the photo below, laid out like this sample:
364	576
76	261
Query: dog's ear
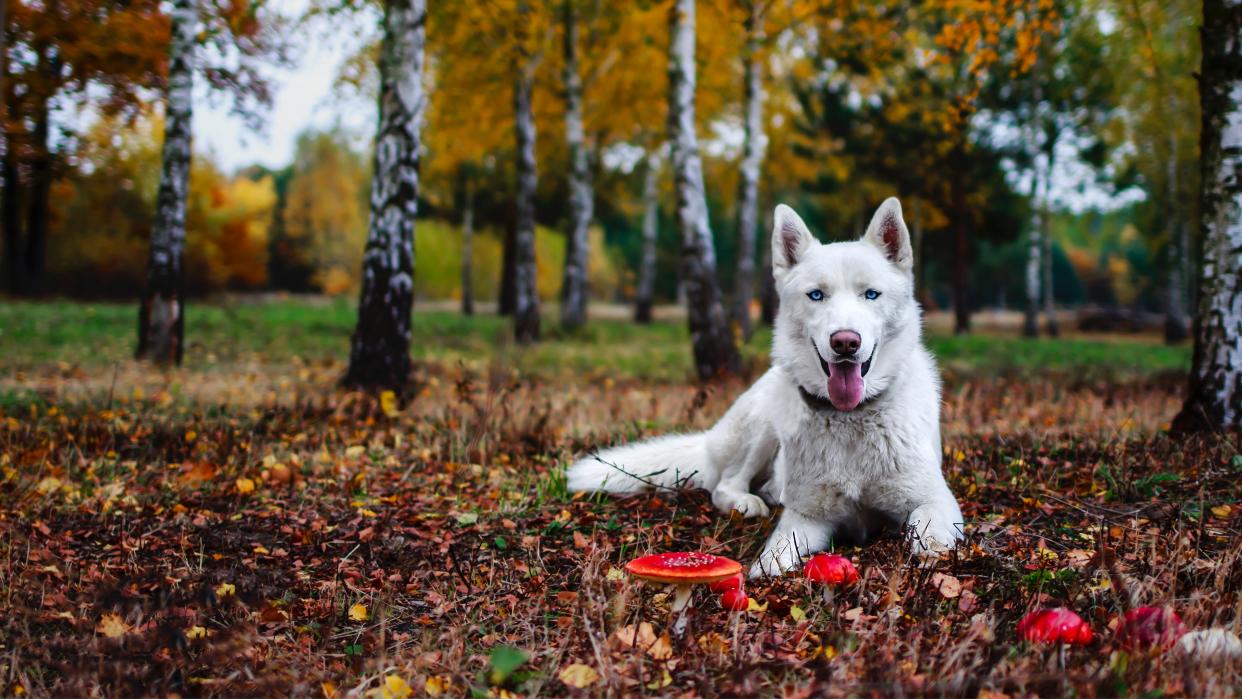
790	239
887	232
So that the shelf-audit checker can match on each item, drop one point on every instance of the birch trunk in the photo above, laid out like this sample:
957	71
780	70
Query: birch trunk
752	158
769	301
1034	250
714	350
467	243
574	286
1176	325
645	296
1050	300
526	294
380	351
161	317
1214	401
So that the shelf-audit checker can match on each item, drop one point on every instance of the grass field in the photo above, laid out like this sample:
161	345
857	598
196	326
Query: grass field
243	526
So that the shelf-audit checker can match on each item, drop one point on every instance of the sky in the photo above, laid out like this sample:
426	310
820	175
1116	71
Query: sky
302	98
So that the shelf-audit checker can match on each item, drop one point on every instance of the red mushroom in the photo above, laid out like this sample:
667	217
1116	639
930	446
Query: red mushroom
734	600
733	583
1059	625
684	570
1148	627
830	568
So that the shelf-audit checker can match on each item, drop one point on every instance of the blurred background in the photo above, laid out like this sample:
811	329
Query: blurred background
1045	150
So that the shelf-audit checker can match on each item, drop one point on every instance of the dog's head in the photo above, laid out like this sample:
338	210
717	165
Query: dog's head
843	305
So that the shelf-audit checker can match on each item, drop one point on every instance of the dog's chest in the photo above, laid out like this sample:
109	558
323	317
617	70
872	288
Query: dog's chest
827	458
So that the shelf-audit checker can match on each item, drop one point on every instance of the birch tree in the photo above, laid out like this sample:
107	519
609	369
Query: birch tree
380	349
161	317
1215	398
644	297
752	158
574	287
526	295
714	350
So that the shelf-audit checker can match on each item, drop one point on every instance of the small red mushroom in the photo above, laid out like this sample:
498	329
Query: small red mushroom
1148	627
1059	625
684	570
733	583
830	568
734	600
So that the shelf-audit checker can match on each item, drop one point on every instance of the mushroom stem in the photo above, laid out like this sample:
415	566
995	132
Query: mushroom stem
681	601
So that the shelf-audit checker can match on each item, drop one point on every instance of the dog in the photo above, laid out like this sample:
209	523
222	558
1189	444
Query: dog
843	431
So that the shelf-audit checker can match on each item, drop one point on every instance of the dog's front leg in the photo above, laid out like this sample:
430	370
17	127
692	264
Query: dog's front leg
935	526
795	535
733	490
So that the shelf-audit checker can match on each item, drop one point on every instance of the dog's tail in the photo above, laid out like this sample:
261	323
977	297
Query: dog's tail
675	461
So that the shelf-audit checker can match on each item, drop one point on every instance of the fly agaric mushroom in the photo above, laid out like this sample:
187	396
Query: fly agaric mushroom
1148	627
830	568
734	600
1059	625
684	570
733	583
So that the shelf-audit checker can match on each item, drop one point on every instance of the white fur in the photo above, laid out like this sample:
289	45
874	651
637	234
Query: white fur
859	471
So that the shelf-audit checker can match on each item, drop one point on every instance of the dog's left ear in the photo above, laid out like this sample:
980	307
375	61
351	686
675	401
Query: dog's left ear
887	232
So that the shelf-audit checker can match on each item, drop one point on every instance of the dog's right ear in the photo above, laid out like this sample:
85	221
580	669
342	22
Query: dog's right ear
790	239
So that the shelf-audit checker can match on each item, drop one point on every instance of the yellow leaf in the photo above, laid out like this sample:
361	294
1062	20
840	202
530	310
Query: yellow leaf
112	626
261	550
395	688
328	689
366	513
661	682
753	606
437	685
48	485
225	590
578	675
662	649
796	613
245	485
195	632
355	452
1222	511
959	455
358	612
388	403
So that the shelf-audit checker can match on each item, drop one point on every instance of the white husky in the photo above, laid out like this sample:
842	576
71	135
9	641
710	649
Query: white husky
843	431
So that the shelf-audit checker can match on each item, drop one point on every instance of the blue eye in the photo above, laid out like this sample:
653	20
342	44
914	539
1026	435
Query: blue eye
815	295
871	294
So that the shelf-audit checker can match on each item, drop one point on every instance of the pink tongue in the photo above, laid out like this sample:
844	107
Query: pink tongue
845	385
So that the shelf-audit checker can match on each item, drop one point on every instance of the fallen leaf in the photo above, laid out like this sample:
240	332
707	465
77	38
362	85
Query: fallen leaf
395	688
195	632
661	682
437	685
753	606
947	585
359	612
796	613
112	626
225	589
628	636
662	649
388	403
244	485
1222	511
578	675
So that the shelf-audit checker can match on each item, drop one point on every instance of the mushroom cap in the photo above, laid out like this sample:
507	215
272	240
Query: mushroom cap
1145	627
734	582
734	600
830	568
1058	625
683	568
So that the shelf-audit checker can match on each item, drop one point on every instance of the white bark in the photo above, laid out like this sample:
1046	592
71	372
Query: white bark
526	293
380	349
714	350
752	158
161	318
577	252
645	294
1215	398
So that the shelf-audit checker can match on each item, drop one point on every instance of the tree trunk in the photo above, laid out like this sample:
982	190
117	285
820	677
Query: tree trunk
1034	250
1176	324
12	220
748	183
526	292
574	287
1050	299
714	350
1214	401
916	240
380	351
961	245
161	317
769	301
467	242
645	297
40	184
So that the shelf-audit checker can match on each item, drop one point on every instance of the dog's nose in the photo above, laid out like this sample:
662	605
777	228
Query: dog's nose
845	342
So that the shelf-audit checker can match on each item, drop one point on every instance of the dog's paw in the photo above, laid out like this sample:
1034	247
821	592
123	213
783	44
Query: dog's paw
775	561
746	504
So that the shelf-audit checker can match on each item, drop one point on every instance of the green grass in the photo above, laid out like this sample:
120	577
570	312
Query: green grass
313	330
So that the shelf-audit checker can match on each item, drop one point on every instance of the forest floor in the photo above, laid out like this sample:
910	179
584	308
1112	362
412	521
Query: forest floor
242	526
